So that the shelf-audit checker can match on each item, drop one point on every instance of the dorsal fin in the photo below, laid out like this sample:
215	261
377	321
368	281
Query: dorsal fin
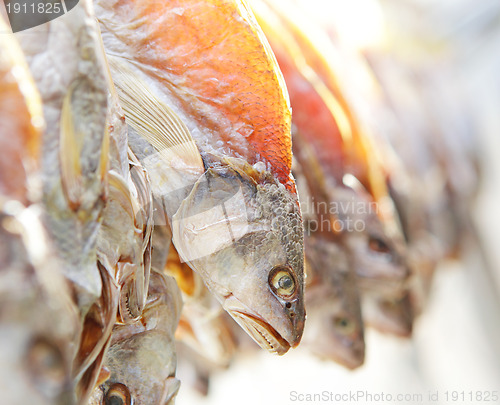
152	118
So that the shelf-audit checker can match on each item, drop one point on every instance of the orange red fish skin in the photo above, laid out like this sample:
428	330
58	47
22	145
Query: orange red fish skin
221	74
321	132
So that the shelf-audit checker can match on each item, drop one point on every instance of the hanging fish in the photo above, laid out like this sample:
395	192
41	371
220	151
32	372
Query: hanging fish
415	180
336	326
334	329
73	163
451	139
354	182
212	121
38	320
69	71
139	367
334	141
125	237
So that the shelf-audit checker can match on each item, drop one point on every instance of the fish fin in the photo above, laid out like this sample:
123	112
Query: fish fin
140	180
104	375
120	192
153	120
69	154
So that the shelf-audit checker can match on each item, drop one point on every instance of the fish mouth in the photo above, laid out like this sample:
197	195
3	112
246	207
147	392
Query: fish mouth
348	360
346	351
352	357
261	332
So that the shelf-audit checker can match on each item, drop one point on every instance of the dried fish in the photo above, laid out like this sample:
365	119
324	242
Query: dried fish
234	208
139	367
69	71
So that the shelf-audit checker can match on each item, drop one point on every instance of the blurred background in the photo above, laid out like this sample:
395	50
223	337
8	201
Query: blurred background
455	345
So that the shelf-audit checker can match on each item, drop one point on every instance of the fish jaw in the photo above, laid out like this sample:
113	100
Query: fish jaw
132	294
354	356
259	330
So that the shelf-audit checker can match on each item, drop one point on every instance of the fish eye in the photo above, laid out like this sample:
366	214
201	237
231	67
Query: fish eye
344	325
378	245
282	282
118	394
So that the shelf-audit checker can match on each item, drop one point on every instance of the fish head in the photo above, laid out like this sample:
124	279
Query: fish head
244	236
142	371
335	334
335	328
379	255
38	320
141	360
266	301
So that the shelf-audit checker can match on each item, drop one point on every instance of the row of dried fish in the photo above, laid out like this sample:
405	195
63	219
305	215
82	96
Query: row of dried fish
377	186
148	190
